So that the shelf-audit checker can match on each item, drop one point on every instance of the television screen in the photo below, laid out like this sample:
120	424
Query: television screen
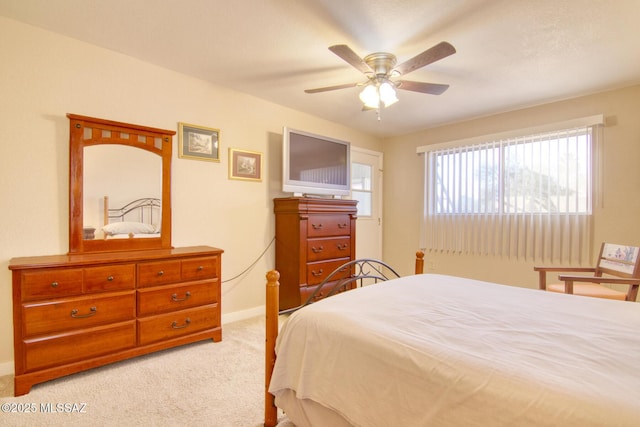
315	164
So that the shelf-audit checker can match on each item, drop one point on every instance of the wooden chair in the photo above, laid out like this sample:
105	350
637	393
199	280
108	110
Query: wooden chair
617	265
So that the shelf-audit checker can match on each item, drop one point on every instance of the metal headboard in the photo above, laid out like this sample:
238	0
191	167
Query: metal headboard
142	208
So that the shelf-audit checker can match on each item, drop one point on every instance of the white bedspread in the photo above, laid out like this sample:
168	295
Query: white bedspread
444	351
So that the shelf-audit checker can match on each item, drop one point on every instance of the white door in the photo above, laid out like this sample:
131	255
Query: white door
366	187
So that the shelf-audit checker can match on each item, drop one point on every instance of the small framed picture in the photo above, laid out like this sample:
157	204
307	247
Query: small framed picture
245	165
198	142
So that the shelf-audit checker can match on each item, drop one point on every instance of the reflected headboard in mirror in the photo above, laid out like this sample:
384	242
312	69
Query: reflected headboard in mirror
113	166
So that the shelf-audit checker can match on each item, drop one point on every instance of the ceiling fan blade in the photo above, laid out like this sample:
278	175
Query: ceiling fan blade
328	88
430	88
437	52
345	52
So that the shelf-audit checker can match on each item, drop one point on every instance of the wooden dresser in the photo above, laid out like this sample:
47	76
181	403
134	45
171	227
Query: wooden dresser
75	312
314	236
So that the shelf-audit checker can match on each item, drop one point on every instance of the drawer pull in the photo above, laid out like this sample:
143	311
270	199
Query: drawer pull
343	225
54	284
200	267
175	298
317	226
318	249
174	324
317	273
75	315
342	247
160	273
110	279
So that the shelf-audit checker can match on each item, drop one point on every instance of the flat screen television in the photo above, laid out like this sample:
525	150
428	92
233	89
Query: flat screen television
314	164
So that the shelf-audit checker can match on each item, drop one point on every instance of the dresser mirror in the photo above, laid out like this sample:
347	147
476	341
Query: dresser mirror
119	186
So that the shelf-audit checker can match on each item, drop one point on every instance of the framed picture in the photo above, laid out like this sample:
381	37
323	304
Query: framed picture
198	142
246	165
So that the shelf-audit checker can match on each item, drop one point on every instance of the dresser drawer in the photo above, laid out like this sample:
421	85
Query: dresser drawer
317	271
158	273
328	248
78	345
50	283
200	268
170	298
77	313
110	278
328	225
178	323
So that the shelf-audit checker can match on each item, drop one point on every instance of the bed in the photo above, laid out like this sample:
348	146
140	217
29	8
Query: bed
139	218
439	350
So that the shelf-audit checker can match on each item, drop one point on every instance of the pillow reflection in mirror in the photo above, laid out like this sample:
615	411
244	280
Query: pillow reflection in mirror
127	227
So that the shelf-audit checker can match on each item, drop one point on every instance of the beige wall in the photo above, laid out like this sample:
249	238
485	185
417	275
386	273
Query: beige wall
616	219
43	76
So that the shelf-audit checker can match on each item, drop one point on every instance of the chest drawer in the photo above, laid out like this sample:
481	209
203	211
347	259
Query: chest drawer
78	345
77	313
158	273
170	298
328	248
317	271
200	268
177	323
51	283
110	278
328	225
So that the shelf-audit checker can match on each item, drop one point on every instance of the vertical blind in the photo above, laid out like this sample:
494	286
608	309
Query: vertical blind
524	197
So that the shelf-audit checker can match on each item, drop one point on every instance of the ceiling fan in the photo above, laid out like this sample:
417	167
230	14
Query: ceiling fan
380	67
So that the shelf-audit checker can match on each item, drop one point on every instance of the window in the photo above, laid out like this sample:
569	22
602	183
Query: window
545	174
361	177
525	196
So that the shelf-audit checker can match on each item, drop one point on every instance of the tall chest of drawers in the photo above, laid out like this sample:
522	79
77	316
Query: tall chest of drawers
314	236
76	312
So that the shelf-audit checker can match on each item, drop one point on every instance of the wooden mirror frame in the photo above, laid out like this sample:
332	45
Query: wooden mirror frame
157	141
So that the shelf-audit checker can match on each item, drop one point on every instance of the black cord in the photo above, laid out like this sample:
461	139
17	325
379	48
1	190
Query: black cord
253	263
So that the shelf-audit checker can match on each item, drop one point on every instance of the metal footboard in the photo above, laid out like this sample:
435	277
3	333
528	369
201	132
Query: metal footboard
364	272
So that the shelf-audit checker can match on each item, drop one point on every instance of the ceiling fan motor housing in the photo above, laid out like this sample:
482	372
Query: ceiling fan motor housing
381	63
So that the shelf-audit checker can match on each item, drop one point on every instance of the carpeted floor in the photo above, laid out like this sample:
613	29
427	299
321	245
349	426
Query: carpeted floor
201	384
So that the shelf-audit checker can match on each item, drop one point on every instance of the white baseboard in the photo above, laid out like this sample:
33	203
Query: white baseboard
6	368
244	314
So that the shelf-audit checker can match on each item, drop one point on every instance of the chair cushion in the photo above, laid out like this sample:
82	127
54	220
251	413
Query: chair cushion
590	290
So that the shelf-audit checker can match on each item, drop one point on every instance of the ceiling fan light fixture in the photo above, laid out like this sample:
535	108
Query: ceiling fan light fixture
387	94
374	94
369	96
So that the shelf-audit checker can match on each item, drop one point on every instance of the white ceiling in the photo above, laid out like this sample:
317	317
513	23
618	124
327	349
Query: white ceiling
510	53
